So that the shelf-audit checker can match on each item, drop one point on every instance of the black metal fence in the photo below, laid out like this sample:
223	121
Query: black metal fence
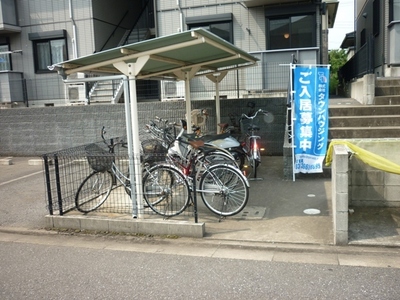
67	170
360	64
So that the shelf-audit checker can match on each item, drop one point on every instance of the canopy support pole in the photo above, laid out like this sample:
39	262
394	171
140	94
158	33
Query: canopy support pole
217	78
131	70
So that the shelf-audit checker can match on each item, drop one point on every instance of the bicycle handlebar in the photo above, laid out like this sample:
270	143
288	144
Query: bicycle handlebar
111	146
253	116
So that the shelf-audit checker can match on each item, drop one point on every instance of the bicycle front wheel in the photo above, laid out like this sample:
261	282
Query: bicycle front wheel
166	190
93	191
224	190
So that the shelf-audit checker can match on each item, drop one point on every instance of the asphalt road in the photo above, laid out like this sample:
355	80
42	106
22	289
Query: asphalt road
22	195
80	267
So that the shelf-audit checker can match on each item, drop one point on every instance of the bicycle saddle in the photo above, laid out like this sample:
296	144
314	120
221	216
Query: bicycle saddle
199	145
209	137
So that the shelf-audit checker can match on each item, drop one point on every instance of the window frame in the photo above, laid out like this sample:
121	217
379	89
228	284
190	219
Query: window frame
207	21
43	38
9	60
391	11
290	30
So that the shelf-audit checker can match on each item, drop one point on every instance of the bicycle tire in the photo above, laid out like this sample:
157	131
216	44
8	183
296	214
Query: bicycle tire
239	159
219	157
224	190
166	190
93	191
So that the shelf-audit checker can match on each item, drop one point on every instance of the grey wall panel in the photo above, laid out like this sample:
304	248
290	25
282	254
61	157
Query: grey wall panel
36	131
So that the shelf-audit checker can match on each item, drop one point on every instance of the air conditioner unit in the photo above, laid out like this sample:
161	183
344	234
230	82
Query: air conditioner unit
172	90
76	93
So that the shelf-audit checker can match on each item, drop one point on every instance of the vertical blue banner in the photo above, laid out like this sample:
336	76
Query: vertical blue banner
311	101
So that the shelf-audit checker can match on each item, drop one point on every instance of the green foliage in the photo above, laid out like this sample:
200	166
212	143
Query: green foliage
337	58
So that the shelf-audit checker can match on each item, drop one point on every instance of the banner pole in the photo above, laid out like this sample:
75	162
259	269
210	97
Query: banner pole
292	66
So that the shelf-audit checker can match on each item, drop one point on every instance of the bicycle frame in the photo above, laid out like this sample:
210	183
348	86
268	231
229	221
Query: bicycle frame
252	149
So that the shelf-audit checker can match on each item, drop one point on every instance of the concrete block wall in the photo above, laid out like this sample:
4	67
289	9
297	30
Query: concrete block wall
372	187
36	131
356	184
340	195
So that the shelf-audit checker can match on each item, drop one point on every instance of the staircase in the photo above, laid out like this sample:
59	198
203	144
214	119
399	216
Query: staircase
380	120
106	91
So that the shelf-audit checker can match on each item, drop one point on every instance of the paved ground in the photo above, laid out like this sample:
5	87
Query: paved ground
279	210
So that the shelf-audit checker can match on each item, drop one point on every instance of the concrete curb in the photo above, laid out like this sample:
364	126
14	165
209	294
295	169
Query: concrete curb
142	226
356	250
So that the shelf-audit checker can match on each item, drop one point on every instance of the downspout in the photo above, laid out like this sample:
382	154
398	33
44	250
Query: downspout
178	3
74	44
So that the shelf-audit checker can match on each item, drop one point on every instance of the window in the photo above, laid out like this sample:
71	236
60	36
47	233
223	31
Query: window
48	48
220	25
394	10
5	62
291	32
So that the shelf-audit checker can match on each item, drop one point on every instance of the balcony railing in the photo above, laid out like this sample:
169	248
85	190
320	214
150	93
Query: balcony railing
269	78
360	64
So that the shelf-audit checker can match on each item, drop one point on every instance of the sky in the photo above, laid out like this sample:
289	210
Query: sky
344	23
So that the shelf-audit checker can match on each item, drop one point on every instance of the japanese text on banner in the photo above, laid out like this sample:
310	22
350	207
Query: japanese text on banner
311	97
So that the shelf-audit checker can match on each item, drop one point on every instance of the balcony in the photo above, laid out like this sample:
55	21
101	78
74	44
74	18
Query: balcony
8	17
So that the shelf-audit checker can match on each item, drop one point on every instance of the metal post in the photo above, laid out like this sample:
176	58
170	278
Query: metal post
48	186
135	139
129	141
58	185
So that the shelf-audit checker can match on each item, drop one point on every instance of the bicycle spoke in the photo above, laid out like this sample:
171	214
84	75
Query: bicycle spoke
224	190
93	191
166	191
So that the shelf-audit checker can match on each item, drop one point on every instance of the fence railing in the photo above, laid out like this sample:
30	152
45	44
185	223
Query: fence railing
66	172
269	78
360	64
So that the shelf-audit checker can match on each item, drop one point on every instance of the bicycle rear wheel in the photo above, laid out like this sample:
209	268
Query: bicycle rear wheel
166	190
93	191
218	157
224	190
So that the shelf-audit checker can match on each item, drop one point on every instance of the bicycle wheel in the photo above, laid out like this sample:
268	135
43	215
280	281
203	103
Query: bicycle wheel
224	190
213	158
166	190
93	191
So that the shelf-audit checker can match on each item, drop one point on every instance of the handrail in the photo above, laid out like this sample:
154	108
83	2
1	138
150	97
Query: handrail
115	29
360	64
139	19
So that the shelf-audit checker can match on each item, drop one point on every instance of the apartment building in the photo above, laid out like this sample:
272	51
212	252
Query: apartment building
35	34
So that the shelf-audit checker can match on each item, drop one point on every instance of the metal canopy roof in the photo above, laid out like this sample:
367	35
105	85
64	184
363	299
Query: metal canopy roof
166	56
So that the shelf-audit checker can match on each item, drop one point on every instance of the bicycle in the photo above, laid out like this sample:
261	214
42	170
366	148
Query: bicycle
223	188
178	152
95	188
250	144
167	181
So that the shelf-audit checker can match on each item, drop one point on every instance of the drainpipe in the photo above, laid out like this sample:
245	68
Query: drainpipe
178	3
74	44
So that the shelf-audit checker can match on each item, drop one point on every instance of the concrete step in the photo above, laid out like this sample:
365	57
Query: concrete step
390	81
365	121
387	90
387	100
364	110
364	132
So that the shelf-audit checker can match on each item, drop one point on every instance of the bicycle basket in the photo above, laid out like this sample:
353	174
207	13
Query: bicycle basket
153	151
99	159
245	124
